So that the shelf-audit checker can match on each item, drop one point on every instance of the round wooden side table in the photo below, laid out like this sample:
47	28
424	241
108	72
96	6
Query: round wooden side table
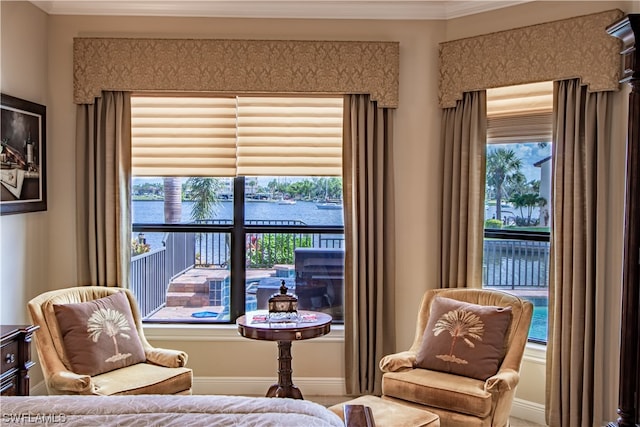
310	324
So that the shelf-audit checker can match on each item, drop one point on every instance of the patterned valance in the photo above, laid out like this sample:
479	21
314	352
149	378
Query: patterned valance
235	66
576	47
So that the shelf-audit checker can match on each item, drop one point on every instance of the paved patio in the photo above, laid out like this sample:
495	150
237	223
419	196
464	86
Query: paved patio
196	280
191	282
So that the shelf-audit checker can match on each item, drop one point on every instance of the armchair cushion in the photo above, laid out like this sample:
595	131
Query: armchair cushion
464	338
434	389
144	378
99	335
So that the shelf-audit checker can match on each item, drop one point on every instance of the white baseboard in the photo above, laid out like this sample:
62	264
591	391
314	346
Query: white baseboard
529	411
258	386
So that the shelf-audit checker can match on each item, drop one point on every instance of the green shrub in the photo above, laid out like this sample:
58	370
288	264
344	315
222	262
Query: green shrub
138	248
269	249
493	223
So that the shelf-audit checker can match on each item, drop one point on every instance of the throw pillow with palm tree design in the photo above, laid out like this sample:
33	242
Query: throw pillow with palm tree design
99	335
463	338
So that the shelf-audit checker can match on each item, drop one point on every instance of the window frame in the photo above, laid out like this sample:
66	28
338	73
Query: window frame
515	234
520	114
238	231
246	117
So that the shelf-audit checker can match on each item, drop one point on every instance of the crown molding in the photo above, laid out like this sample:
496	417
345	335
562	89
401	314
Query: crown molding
458	9
309	9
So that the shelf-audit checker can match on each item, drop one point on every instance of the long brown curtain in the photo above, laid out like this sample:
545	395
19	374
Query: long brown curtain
463	136
370	243
103	159
576	284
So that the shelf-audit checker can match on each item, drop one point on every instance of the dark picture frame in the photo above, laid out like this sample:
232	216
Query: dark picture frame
23	172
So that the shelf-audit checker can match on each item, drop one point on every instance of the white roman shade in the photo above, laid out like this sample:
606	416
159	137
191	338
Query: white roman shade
183	136
520	113
236	136
289	136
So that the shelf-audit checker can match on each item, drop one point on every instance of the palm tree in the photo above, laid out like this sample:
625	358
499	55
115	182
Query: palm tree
172	200
503	166
251	185
460	324
204	193
273	187
529	201
112	323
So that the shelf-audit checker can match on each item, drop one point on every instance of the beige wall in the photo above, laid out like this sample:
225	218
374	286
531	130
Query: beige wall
24	238
49	237
24	254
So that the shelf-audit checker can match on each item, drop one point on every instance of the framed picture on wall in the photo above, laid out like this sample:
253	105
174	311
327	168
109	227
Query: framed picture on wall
23	184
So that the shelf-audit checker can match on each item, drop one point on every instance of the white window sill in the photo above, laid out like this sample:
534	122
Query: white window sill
191	332
536	353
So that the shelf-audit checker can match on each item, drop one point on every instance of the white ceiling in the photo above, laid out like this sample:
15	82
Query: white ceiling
315	9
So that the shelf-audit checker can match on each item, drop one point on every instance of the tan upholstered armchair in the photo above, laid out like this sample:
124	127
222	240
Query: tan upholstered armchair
461	401
159	371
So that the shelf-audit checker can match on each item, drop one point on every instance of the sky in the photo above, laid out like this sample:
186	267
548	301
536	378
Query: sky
529	153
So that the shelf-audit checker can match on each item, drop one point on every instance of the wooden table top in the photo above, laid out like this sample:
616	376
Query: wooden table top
9	331
310	324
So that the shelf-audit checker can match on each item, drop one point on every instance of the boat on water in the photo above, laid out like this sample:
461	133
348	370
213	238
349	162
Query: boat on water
286	202
329	205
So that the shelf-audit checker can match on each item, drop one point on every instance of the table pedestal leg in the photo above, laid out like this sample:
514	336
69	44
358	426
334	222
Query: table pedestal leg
285	387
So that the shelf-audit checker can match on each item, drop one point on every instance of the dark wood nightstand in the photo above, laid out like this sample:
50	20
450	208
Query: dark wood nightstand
310	325
15	346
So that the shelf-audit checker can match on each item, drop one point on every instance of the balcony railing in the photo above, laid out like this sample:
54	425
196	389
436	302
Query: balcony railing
508	263
151	272
515	263
149	280
263	250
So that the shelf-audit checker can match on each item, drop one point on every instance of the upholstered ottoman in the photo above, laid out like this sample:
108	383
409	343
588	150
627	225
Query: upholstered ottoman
391	414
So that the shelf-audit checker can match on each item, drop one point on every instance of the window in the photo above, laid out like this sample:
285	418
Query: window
518	196
230	197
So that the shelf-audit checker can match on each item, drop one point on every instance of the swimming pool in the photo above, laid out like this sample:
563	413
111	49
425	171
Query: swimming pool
538	330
